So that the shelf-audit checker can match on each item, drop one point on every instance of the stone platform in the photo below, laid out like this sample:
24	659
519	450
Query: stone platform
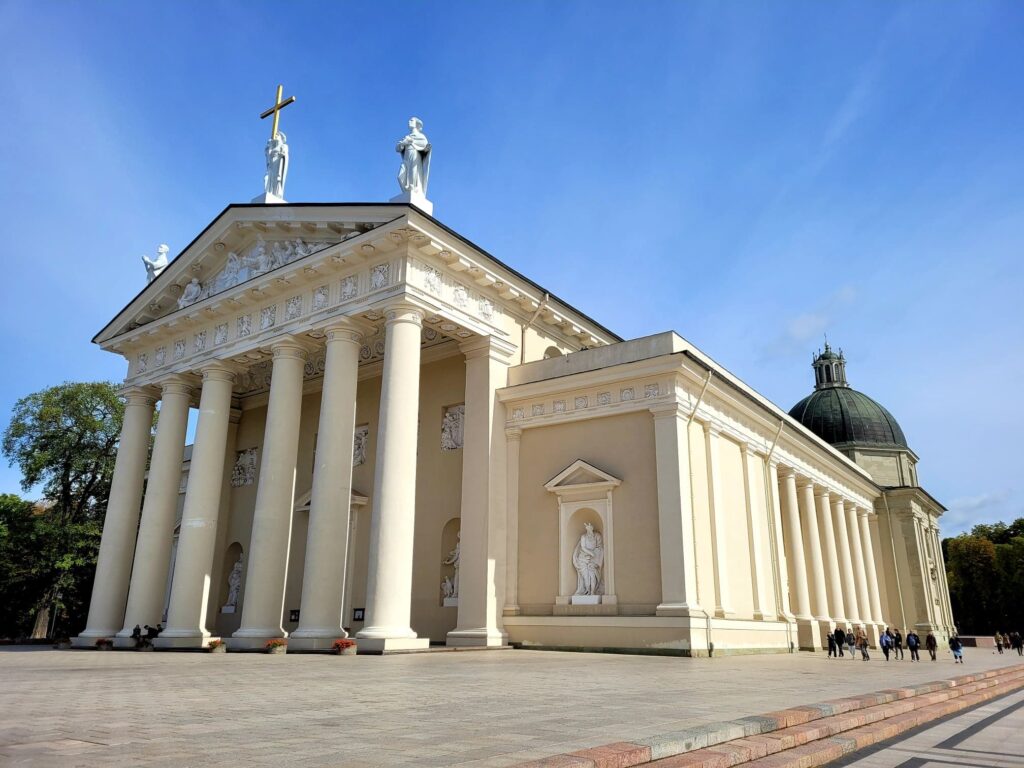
122	708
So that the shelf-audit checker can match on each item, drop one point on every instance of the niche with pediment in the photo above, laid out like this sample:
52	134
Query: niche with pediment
586	546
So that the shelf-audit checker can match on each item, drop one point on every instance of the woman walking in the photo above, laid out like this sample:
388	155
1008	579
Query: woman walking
957	648
931	644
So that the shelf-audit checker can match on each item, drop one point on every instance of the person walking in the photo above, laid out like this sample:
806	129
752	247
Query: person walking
840	638
831	645
886	642
1018	643
999	642
898	645
957	648
851	641
862	643
931	644
913	643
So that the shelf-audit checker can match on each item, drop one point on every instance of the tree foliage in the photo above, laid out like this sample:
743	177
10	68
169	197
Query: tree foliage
64	441
985	570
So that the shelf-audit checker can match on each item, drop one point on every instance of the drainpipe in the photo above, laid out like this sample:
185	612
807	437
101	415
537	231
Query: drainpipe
522	341
689	420
895	565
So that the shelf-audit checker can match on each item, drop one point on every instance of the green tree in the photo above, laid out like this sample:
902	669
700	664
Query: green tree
64	441
971	572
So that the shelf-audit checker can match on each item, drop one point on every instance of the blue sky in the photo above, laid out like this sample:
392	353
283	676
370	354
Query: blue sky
751	175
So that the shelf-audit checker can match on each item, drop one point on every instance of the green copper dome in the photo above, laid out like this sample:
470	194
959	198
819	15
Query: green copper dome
843	416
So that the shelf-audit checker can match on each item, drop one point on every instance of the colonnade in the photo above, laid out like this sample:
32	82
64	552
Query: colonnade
131	590
830	556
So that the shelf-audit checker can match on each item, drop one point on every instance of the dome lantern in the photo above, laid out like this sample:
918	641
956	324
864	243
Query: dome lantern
829	369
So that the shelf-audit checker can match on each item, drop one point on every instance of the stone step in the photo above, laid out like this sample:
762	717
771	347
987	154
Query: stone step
800	734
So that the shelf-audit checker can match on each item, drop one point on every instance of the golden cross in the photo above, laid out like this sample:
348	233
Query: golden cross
276	109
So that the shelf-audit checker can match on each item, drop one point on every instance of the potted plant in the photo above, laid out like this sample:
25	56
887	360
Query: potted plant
216	646
276	645
343	646
104	644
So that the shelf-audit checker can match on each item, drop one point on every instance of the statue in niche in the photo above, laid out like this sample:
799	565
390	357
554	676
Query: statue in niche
450	586
234	585
588	560
362	434
193	293
415	151
155	266
453	427
277	165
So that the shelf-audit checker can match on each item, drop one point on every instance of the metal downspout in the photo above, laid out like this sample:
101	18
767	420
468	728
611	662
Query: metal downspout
689	459
522	341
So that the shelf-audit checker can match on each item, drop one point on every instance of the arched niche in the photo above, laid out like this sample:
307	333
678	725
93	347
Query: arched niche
584	495
551	352
449	540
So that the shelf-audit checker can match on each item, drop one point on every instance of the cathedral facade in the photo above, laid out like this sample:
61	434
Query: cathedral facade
402	439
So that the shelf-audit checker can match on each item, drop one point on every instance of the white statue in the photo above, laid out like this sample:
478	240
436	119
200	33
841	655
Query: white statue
277	165
453	560
447	588
362	434
588	560
453	428
415	151
193	293
155	266
234	585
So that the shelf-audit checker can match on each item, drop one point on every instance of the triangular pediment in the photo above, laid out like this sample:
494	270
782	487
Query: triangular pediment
244	244
581	475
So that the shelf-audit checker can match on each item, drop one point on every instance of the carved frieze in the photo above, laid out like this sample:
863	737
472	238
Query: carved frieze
293	308
268	317
244	471
379	276
320	298
349	287
453	427
244	326
199	342
179	349
220	333
359	446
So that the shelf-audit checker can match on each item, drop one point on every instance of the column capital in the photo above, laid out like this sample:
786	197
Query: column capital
787	472
403	312
343	329
177	384
803	481
668	411
219	370
711	429
289	347
513	433
146	396
487	346
837	501
821	492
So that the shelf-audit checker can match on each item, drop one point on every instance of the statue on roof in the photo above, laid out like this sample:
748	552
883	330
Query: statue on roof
414	173
155	266
277	165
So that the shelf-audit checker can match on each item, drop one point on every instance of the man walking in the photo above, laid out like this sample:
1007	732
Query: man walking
931	644
840	638
913	643
898	645
886	642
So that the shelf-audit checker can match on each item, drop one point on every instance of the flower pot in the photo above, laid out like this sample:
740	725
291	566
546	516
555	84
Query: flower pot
277	650
218	649
350	651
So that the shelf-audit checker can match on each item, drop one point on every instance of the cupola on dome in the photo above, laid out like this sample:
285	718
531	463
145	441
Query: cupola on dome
839	414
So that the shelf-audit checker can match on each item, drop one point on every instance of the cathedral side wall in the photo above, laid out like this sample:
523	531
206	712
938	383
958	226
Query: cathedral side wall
622	445
702	530
737	560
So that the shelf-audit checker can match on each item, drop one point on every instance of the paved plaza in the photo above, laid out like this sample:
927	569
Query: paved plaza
472	709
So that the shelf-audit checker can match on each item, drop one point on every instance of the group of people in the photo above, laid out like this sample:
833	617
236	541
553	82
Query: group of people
1013	641
892	642
144	636
839	638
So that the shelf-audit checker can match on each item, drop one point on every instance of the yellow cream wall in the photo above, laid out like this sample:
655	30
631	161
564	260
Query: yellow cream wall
623	446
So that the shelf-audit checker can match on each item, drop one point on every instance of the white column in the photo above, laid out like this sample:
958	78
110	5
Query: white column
350	565
323	579
794	547
389	578
780	572
859	568
871	567
812	544
847	586
267	569
482	523
716	511
755	528
193	567
833	583
940	561
114	563
675	514
513	437
148	588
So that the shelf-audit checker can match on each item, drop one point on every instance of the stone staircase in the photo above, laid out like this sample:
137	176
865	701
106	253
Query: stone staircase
800	737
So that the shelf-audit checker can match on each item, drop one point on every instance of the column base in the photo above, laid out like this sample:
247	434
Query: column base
808	634
183	639
89	637
253	639
383	645
721	612
680	609
476	638
304	640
